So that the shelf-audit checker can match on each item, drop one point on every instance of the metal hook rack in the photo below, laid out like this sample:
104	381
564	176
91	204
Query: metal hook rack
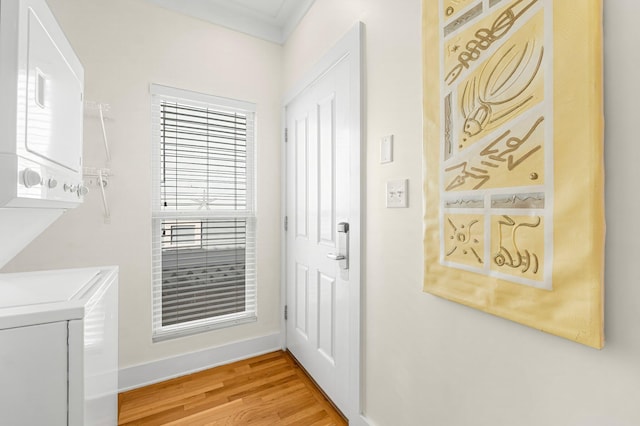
102	111
100	178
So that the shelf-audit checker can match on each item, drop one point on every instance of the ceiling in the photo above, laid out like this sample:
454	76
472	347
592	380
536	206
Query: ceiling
272	20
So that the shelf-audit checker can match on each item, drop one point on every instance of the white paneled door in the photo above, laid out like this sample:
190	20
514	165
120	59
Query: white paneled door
323	229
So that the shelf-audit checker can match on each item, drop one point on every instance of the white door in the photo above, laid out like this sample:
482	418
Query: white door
323	211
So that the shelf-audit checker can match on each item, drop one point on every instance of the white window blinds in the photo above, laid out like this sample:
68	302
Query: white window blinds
203	212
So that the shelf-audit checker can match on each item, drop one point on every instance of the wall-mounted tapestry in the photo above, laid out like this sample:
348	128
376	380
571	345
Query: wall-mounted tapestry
514	220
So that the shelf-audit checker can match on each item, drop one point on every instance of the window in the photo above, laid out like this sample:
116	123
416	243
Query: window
203	212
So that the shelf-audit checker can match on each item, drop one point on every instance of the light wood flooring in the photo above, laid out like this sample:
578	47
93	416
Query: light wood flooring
267	390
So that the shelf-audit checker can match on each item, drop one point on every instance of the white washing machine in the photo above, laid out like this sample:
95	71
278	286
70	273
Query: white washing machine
59	347
58	329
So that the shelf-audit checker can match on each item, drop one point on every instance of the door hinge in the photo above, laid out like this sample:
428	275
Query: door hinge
286	223
286	134
286	312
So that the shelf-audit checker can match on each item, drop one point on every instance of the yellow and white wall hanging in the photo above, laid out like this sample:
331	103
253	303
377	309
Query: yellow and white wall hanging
514	217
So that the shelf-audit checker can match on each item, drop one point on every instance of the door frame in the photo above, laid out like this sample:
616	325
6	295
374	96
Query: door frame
351	44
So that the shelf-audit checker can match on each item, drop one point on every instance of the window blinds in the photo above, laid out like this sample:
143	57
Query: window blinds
203	212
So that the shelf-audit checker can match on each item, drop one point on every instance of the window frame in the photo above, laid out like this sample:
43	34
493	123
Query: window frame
161	332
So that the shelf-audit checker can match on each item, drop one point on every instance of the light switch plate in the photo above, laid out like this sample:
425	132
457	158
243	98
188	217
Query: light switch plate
397	196
386	149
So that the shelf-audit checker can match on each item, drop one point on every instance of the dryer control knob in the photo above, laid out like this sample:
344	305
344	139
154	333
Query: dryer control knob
31	178
82	190
52	183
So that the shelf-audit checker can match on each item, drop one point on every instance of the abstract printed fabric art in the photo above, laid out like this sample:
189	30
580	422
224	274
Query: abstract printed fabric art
513	146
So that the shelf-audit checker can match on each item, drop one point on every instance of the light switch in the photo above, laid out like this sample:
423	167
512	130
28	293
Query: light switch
397	193
386	149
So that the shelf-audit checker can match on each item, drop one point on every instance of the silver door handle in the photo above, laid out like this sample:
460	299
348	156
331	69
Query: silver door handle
343	246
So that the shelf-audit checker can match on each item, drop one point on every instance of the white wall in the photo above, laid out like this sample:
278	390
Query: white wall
433	362
124	45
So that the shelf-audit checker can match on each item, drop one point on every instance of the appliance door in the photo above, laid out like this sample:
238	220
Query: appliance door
54	98
33	373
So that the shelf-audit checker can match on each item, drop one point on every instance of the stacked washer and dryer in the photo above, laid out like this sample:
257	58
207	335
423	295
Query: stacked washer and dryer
58	329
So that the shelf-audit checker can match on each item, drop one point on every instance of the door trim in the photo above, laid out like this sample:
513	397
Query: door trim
351	45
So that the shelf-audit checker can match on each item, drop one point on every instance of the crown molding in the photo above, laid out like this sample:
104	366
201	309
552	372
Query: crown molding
273	25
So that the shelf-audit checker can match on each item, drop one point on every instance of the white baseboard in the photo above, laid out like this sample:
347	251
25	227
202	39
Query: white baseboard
158	371
364	421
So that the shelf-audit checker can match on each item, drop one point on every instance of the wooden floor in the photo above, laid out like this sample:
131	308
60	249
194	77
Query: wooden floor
267	390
